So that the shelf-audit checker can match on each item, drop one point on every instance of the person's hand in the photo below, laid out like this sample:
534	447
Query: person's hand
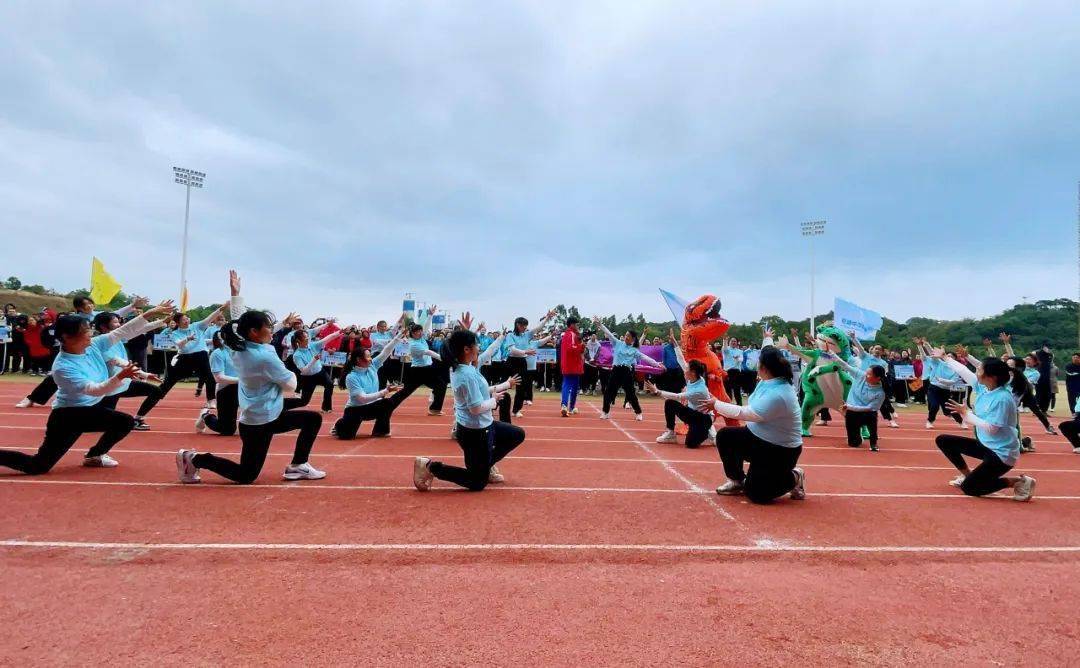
129	371
651	388
140	302
530	352
767	332
514	381
550	313
955	407
782	342
164	307
498	396
153	377
1005	338
391	388
234	283
466	320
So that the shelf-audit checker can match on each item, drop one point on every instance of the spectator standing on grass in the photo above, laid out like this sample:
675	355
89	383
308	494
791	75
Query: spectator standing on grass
37	353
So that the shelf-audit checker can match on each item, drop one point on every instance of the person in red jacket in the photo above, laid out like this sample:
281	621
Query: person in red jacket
35	347
571	365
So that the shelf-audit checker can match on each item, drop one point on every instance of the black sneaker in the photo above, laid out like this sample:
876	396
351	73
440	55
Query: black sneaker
140	425
873	447
198	391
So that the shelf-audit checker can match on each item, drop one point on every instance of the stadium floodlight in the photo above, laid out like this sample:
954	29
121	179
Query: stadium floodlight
189	178
815	228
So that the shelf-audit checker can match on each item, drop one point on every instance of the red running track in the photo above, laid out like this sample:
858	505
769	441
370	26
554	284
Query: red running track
602	547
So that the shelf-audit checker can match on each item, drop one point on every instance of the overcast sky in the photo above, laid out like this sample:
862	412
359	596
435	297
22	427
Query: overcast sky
506	156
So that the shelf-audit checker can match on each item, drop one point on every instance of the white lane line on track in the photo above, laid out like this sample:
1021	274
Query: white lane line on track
687	482
262	487
617	460
546	547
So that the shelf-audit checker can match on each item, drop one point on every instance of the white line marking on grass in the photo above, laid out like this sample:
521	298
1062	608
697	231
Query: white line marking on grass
761	547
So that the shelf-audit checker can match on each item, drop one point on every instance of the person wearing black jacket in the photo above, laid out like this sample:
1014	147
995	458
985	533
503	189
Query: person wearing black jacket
1042	388
1072	381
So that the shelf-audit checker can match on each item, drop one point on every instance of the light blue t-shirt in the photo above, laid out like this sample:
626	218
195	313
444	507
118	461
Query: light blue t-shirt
221	362
261	373
698	396
470	390
944	377
72	373
733	358
521	341
867	361
928	368
362	381
379	340
998	408
1032	375
301	357
775	401
417	348
197	345
863	396
624	354
112	351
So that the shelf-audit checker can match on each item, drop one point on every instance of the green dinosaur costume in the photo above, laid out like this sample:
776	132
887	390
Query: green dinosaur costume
824	383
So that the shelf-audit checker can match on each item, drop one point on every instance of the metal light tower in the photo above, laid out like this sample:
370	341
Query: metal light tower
812	229
188	178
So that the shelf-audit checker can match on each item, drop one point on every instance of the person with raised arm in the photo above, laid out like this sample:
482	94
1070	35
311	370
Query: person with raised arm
83	379
307	356
863	401
519	347
625	356
367	401
263	380
693	406
997	439
422	370
192	357
116	356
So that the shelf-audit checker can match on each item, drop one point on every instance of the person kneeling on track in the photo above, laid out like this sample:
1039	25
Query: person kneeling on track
696	412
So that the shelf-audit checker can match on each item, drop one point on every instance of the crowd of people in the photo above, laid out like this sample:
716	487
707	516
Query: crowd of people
259	377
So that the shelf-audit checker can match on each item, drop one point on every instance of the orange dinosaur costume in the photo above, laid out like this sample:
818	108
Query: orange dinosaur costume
702	325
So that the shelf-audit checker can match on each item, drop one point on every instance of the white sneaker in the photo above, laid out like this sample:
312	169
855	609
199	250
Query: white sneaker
893	424
958	480
1024	488
100	462
711	441
667	437
929	425
573	411
495	476
639	417
25	403
730	488
1076	451
303	471
901	405
605	416
434	413
185	467
799	493
821	423
519	414
421	473
200	422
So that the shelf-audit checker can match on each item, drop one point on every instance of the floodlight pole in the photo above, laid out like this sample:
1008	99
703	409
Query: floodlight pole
188	178
812	229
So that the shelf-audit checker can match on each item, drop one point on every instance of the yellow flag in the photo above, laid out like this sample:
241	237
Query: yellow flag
103	287
183	300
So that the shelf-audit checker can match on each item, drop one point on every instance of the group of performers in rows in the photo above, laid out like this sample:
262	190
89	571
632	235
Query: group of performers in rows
252	390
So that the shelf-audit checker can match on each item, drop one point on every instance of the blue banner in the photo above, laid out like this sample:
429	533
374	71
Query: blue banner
851	317
545	355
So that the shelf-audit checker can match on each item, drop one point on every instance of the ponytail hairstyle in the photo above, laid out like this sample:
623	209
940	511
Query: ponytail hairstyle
1020	384
455	346
698	367
1000	372
776	364
101	321
633	334
355	356
234	334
